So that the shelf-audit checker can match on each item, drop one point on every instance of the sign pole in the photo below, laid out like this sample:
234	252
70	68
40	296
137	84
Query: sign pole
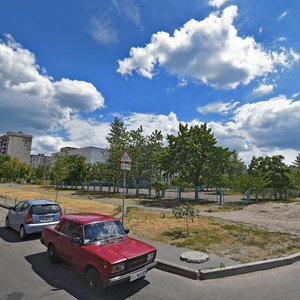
124	186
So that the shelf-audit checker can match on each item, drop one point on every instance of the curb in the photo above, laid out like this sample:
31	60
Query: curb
177	269
249	267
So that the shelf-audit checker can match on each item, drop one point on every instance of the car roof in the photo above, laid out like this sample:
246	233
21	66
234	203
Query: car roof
40	202
87	218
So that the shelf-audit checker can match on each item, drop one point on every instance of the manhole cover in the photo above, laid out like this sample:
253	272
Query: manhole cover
194	257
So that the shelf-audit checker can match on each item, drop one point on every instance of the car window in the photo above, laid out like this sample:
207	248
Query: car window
18	207
24	206
75	230
63	227
103	231
45	209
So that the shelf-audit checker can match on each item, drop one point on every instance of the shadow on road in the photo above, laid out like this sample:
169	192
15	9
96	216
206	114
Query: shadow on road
12	236
62	277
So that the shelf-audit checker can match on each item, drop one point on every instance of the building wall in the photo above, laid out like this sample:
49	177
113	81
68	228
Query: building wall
19	146
92	154
40	160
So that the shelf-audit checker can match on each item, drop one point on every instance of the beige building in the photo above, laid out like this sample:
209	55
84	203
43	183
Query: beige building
92	154
17	145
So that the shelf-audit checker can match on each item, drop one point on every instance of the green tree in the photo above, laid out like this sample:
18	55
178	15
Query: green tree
243	182
3	159
272	169
117	139
296	163
194	155
13	169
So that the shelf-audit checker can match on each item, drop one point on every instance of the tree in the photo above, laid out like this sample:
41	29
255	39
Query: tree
296	163
272	169
243	182
117	139
13	169
3	159
194	155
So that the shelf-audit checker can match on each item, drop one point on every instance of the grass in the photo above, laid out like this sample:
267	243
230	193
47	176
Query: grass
72	204
234	240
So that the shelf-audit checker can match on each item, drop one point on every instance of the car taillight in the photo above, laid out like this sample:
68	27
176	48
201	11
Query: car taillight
60	215
28	219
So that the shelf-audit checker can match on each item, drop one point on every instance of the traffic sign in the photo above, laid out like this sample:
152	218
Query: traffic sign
125	166
125	159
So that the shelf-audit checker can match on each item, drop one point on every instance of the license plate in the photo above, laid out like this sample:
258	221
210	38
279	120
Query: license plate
46	219
138	275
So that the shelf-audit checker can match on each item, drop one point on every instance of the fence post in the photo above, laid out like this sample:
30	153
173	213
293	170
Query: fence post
247	196
196	194
127	189
137	190
149	190
256	196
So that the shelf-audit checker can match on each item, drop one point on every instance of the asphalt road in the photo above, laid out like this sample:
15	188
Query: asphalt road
25	273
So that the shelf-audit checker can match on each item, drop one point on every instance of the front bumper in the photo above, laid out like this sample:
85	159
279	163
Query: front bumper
129	276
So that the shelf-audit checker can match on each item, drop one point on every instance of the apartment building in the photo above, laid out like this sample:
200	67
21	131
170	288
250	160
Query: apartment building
40	160
16	145
92	154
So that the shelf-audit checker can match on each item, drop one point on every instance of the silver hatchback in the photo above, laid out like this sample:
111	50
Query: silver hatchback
30	216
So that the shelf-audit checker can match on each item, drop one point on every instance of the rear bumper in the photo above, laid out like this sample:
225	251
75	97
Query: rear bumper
34	228
129	276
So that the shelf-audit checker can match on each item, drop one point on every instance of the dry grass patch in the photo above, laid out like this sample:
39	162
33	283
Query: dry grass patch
71	204
225	238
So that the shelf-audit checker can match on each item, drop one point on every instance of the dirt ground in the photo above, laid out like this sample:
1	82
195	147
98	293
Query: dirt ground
274	216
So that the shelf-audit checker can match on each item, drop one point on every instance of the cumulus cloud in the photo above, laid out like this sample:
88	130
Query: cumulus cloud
263	89
32	101
217	3
222	108
210	51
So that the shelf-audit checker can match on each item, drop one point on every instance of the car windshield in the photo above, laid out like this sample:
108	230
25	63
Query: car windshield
45	209
103	231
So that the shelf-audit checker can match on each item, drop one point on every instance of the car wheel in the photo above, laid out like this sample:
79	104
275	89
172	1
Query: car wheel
6	223
93	282
52	255
22	233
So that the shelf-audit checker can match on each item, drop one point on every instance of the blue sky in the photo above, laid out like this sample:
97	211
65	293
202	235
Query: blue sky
68	67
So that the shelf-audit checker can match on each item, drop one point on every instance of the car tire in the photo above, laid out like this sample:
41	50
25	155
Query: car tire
93	282
22	233
52	255
7	223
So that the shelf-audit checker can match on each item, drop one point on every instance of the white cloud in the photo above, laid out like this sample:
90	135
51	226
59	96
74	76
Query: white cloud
210	51
103	31
222	108
281	39
283	15
129	10
263	89
32	101
263	127
260	30
217	3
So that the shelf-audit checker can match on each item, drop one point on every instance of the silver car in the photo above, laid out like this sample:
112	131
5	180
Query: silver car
30	216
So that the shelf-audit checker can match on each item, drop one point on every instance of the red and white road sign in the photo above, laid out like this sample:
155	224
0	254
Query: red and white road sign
125	159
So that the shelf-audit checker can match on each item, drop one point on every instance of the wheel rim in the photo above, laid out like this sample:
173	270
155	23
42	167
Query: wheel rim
21	232
92	280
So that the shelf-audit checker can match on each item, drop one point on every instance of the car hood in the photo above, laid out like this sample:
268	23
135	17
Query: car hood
119	250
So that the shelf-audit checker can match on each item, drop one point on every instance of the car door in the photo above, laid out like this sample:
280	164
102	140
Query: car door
15	216
62	240
76	255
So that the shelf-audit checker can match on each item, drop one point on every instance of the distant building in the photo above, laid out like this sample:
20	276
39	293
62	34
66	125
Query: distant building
40	160
16	145
92	154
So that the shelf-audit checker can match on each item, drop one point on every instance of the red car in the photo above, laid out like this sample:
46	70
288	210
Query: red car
98	247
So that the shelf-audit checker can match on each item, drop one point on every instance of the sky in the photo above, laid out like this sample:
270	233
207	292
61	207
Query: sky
67	68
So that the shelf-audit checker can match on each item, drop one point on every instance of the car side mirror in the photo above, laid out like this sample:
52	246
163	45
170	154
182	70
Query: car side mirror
76	240
12	208
126	230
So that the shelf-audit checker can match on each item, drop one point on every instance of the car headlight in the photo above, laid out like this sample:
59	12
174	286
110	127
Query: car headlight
150	256
118	268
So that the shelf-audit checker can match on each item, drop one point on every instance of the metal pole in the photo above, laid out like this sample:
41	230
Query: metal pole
124	185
